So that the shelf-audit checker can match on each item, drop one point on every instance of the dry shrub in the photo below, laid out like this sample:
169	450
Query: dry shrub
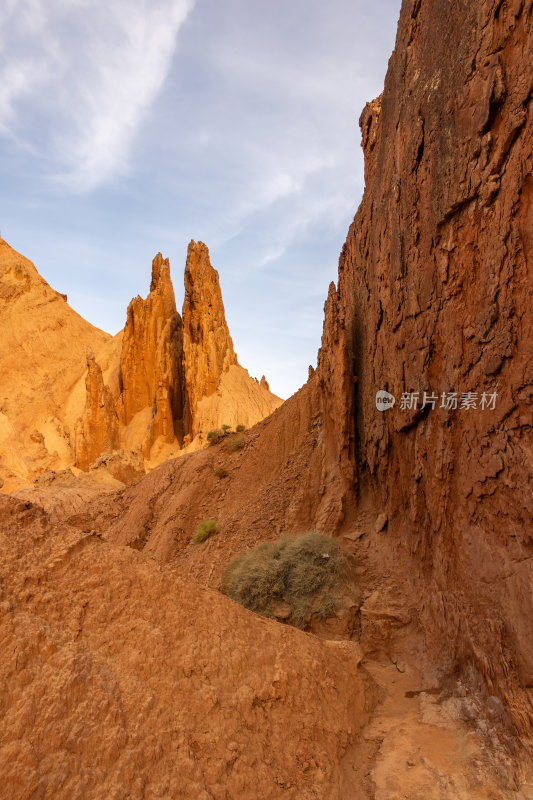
204	530
235	442
301	571
221	472
214	437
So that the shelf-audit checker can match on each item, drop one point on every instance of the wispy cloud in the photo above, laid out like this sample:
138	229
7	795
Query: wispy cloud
78	77
277	120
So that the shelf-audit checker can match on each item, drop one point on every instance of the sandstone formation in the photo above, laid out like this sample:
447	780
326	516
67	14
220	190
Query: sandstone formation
208	348
151	363
72	393
120	670
218	390
179	377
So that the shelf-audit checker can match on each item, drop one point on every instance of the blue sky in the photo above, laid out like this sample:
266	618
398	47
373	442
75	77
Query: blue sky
131	127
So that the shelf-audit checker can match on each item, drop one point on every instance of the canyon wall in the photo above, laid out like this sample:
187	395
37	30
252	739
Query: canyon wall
435	296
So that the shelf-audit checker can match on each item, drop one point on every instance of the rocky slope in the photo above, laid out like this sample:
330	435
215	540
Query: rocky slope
81	393
149	686
43	346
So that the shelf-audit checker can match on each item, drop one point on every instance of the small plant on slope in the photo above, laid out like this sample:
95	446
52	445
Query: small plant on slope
236	442
204	530
214	437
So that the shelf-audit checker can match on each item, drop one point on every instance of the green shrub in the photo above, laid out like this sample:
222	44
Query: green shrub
226	428
236	442
301	571
221	472
240	428
214	437
204	530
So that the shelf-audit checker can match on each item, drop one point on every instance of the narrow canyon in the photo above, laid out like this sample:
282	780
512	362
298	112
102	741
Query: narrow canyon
125	671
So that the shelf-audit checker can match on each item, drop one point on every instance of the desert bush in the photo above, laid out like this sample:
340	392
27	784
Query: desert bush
204	530
326	606
236	442
301	571
221	472
226	428
214	437
240	428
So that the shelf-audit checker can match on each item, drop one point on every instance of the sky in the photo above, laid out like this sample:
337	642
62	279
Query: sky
133	126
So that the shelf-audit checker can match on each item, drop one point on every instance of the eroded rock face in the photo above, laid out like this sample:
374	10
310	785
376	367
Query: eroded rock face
207	344
97	430
435	297
151	364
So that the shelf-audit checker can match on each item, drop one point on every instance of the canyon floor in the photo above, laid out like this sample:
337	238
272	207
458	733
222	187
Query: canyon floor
151	683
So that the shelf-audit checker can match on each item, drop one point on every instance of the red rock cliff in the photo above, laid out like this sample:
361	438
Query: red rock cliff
435	296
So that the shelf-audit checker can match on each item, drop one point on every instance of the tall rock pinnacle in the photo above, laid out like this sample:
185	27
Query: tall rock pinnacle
151	373
207	344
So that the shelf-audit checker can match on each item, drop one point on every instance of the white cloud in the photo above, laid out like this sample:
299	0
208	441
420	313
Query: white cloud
77	78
